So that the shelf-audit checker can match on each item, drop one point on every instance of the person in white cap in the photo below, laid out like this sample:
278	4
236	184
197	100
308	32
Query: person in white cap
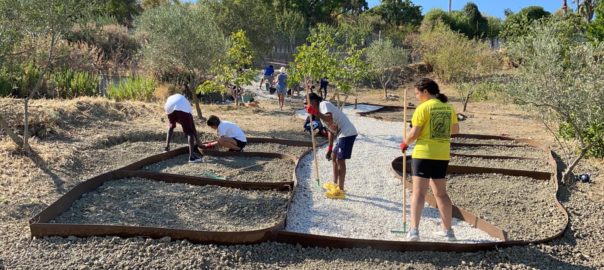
281	82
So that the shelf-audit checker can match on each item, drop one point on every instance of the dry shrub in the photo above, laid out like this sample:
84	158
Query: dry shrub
163	91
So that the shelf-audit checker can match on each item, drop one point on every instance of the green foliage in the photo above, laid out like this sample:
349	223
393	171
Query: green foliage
386	62
136	88
495	26
233	70
453	57
397	13
315	12
6	83
519	24
596	28
211	86
122	10
181	40
255	17
562	79
69	83
468	21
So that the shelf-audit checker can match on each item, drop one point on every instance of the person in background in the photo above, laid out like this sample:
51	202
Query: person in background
281	82
323	83
267	76
433	122
179	110
230	135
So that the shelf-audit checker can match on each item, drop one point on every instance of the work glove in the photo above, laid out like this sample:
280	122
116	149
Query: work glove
311	110
329	152
404	147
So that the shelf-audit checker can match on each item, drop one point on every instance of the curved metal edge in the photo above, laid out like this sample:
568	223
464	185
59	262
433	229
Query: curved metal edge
492	157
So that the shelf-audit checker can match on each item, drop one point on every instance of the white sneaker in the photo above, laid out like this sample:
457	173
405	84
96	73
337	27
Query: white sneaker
448	234
413	235
195	159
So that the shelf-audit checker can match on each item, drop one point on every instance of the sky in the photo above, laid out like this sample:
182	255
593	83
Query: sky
488	7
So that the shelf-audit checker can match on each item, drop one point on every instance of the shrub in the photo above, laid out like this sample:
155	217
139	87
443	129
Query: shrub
70	84
136	88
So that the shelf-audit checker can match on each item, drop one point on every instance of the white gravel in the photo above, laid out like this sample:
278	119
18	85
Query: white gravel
373	204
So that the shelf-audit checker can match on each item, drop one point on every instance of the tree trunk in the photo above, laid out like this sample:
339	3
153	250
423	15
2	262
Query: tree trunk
385	93
568	171
26	126
4	125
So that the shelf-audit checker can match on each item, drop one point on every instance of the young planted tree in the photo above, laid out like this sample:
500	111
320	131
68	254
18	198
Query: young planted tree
233	69
182	40
386	62
562	79
43	23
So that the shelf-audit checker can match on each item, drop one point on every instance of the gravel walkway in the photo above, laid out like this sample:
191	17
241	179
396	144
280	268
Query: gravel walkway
373	204
268	169
140	202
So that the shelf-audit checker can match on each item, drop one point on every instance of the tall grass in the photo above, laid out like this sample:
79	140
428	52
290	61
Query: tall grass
69	83
136	88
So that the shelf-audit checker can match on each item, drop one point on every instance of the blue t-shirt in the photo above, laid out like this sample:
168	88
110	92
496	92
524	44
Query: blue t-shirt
282	80
269	71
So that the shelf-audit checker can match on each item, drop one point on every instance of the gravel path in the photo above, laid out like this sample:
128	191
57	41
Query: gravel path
522	206
268	169
373	204
140	202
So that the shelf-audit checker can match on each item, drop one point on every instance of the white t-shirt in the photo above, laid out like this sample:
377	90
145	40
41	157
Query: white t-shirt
344	125
177	102
230	130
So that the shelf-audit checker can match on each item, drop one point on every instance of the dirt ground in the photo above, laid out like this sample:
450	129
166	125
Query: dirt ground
81	138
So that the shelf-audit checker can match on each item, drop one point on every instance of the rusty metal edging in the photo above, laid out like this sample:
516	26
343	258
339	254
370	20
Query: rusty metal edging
492	157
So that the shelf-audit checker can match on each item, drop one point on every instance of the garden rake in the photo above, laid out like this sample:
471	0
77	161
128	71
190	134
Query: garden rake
312	135
404	230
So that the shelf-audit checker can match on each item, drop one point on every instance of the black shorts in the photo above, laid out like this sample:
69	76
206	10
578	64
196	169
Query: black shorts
240	144
429	168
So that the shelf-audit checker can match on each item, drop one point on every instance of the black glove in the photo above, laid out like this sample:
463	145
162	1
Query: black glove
328	155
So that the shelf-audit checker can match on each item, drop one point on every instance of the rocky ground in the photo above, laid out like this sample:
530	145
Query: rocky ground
67	156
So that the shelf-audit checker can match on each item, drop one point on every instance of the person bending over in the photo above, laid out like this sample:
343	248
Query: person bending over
178	109
230	136
341	129
433	122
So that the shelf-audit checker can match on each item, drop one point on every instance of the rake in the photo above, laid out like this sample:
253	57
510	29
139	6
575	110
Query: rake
312	135
404	230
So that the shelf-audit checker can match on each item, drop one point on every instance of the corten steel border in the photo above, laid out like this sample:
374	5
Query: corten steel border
40	226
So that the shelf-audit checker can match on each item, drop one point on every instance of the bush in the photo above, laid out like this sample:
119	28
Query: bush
6	83
70	84
136	88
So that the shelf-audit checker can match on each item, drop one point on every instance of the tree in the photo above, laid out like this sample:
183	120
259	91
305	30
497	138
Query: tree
122	10
43	23
182	40
232	70
386	61
586	8
477	24
291	24
561	79
399	12
596	28
255	17
519	24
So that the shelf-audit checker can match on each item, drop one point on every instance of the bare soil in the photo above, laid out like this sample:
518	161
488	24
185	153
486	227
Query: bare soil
141	202
536	165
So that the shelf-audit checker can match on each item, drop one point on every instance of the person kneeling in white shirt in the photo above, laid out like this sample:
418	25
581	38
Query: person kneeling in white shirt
229	135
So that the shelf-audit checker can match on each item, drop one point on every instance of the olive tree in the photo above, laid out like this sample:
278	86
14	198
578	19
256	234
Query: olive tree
232	70
182	40
386	62
562	80
43	23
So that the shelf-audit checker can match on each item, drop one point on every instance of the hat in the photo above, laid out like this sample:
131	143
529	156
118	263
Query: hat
282	70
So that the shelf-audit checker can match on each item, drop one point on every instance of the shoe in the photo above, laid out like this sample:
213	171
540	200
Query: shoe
413	235
195	159
329	186
448	234
335	194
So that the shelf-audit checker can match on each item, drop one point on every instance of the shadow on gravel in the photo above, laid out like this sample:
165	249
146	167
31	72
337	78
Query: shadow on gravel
56	179
25	211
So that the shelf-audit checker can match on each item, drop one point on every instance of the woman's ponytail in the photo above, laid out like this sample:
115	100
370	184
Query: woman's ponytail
432	88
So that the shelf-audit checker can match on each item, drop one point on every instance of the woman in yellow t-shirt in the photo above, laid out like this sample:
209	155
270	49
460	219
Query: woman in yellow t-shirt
433	122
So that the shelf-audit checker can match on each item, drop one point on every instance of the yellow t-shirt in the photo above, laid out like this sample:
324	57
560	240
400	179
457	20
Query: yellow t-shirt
436	120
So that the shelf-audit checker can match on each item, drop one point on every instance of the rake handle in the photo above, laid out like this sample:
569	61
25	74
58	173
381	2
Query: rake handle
404	159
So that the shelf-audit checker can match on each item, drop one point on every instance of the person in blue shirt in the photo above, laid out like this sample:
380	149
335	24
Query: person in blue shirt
281	82
267	76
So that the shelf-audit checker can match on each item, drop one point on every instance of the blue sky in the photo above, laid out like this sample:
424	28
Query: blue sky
489	7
